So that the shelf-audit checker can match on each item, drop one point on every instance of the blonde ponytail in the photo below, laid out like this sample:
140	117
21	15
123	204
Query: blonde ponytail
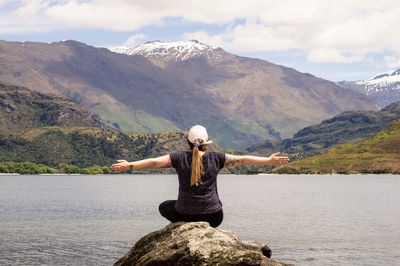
197	167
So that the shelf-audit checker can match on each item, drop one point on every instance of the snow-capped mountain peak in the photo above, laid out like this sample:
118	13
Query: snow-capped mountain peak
390	76
166	51
386	77
384	87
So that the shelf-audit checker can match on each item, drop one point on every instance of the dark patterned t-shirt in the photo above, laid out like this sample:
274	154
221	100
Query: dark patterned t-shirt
203	198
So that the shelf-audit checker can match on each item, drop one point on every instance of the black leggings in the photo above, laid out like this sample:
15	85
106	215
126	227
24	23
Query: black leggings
167	209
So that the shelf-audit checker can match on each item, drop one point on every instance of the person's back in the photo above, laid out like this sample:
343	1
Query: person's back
202	198
197	171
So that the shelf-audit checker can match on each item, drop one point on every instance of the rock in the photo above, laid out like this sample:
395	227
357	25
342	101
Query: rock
196	243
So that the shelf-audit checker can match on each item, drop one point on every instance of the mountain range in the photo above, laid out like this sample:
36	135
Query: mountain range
168	86
384	87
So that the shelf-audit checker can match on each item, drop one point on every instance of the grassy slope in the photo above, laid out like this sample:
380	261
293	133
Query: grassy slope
377	154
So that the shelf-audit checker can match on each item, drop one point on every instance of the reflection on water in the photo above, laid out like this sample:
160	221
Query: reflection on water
306	220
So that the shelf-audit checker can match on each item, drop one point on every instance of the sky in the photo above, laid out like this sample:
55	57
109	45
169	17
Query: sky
335	40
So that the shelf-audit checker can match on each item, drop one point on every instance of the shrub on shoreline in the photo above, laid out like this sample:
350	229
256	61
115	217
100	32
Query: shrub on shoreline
28	168
25	168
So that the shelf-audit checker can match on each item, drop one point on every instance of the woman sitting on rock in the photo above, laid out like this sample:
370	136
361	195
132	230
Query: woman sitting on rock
197	170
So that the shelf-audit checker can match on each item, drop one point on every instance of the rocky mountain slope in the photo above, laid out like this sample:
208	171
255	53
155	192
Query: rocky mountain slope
22	109
384	87
378	154
241	100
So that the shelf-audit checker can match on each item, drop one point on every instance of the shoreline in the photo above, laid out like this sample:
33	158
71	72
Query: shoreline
259	174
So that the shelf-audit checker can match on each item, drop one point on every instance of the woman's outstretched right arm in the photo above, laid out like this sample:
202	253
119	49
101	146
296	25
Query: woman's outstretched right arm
238	160
122	165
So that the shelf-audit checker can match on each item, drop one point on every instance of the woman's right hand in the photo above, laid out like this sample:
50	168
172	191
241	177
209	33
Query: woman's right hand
121	166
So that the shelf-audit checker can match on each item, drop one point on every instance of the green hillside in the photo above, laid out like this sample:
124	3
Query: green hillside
48	129
87	147
377	154
84	147
348	127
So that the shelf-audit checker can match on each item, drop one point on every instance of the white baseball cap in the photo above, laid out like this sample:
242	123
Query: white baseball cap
198	132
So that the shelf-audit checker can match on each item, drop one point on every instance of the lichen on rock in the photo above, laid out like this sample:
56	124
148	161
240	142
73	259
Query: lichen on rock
196	243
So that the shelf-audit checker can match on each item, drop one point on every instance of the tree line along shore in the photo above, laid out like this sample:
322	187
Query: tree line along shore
28	168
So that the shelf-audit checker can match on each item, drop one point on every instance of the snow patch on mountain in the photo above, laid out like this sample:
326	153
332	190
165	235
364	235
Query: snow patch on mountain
383	78
382	82
166	51
384	87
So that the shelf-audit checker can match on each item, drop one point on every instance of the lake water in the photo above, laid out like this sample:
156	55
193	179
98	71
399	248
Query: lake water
305	220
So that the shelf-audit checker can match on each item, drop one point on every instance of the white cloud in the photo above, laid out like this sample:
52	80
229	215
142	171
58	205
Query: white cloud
30	11
25	16
4	2
114	15
333	56
393	61
134	40
329	31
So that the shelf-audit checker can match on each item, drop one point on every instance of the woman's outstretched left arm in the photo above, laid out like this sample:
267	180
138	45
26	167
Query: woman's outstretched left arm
238	160
122	165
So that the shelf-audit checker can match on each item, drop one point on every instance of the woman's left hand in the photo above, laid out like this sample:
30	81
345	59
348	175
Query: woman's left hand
278	160
121	166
